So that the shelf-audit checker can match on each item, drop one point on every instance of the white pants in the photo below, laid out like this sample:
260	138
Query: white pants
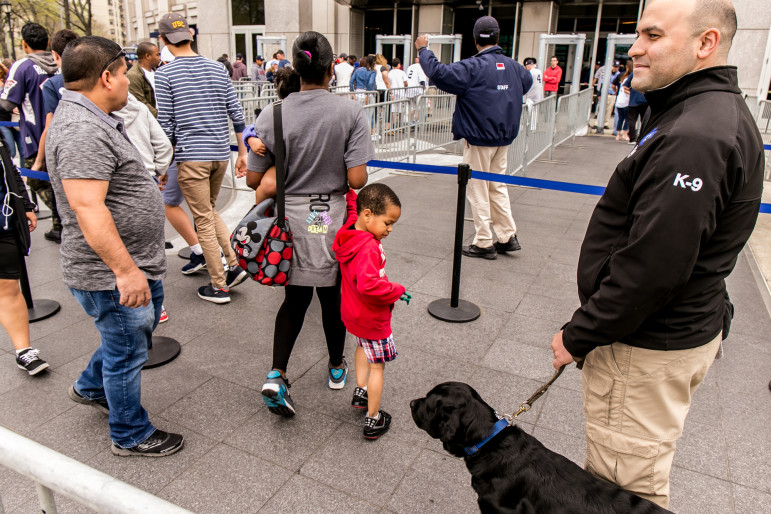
489	200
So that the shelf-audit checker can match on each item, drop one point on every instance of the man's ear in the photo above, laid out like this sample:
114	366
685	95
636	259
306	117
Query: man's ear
709	41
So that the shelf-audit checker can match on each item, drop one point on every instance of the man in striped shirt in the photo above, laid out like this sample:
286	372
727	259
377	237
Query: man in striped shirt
195	97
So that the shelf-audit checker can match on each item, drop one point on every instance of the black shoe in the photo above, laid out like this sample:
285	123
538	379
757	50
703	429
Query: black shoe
54	235
100	403
196	262
29	361
275	394
511	246
235	276
360	398
160	444
484	253
214	295
375	428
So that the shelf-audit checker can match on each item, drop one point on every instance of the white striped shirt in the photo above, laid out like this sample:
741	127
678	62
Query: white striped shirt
195	97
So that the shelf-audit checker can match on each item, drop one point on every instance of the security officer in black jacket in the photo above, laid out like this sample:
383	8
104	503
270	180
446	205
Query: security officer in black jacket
662	239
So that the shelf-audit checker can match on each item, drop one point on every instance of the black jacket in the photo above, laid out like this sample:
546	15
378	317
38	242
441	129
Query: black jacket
674	217
19	199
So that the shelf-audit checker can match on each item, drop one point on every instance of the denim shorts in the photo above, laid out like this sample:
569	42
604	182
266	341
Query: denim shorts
171	194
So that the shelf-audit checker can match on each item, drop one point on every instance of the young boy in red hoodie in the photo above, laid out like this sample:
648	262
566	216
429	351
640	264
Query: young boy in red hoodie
368	297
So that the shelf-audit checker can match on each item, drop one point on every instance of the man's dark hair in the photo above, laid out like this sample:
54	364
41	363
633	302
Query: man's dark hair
144	49
555	57
281	52
287	81
376	197
83	60
715	13
313	56
492	39
395	62
352	59
60	39
35	36
530	60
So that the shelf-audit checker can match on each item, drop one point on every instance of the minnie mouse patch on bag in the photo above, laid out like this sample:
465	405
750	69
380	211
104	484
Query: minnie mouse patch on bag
275	256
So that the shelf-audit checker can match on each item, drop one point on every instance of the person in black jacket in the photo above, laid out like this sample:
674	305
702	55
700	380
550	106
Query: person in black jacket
17	220
660	243
489	88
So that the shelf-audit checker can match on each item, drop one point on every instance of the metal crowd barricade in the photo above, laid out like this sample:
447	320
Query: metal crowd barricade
53	472
363	97
538	128
515	156
573	113
340	89
248	105
763	116
399	93
391	129
433	119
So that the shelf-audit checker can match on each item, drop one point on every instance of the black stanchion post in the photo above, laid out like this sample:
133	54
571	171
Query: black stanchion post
453	309
161	351
41	309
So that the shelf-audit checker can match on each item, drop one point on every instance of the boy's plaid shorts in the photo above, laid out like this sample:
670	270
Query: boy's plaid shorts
378	350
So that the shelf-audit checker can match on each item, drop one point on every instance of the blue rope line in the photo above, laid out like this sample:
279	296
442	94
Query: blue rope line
40	175
9	123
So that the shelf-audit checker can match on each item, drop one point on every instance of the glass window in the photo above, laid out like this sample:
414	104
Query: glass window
248	12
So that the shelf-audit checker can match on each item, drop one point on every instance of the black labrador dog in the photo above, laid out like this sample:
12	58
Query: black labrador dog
513	471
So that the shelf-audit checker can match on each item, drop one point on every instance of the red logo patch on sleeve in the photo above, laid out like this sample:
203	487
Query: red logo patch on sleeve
500	66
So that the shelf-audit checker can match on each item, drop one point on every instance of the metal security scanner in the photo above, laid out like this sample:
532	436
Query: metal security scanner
450	39
614	40
405	40
263	41
576	40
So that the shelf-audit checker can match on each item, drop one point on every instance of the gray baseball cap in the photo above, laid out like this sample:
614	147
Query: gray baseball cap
485	27
174	28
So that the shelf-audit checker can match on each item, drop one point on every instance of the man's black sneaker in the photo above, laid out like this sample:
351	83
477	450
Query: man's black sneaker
374	428
275	394
29	361
214	294
235	276
196	262
360	398
512	245
160	444
100	403
54	235
484	253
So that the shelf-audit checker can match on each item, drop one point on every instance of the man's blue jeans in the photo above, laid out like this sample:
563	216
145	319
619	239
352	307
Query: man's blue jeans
115	368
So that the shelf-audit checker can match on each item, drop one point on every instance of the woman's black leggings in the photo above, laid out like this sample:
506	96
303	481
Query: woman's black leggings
290	317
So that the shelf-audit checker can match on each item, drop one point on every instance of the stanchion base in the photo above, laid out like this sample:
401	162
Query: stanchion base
164	350
185	253
463	313
43	309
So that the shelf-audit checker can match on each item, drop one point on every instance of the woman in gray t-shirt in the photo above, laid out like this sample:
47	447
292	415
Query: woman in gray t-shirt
328	145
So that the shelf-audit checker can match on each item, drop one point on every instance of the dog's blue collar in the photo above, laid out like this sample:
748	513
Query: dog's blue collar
500	425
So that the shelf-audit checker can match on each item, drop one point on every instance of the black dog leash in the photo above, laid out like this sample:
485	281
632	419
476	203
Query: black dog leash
525	406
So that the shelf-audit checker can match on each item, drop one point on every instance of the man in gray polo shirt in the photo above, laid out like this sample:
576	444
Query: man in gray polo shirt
113	256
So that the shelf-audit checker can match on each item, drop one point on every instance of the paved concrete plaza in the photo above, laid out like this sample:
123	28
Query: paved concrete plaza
240	458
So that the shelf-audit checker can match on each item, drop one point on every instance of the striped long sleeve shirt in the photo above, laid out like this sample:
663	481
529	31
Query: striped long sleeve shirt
195	97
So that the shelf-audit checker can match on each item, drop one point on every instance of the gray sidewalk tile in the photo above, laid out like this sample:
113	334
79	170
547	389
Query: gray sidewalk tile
571	446
15	490
746	419
63	346
705	404
38	400
414	327
744	366
163	386
11	377
528	261
301	495
562	411
556	215
215	409
225	480
519	359
552	286
421	240
702	448
286	442
354	458
494	284
407	268
554	309
80	432
751	501
436	482
531	331
695	493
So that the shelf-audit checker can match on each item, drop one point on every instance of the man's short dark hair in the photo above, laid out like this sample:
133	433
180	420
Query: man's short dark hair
60	39
715	13
376	197
144	49
492	39
84	59
281	52
395	62
35	35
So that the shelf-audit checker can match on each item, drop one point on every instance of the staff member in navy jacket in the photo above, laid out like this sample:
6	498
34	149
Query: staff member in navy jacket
489	87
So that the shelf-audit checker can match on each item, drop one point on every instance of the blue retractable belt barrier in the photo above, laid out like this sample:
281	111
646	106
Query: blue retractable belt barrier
9	123
40	175
767	147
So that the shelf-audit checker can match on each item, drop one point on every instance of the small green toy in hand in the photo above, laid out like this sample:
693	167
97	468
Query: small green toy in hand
406	297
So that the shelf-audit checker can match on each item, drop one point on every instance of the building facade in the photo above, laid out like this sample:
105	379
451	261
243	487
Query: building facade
108	18
233	26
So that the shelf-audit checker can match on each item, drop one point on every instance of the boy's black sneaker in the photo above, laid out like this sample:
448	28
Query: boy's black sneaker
235	276
29	361
484	253
160	444
512	245
360	398
374	428
100	404
214	294
196	263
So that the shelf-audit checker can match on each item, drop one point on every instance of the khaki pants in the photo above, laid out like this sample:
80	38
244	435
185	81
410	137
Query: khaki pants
489	200
200	184
610	106
635	404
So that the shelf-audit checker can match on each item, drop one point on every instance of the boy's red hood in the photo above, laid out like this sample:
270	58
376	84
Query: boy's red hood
350	241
